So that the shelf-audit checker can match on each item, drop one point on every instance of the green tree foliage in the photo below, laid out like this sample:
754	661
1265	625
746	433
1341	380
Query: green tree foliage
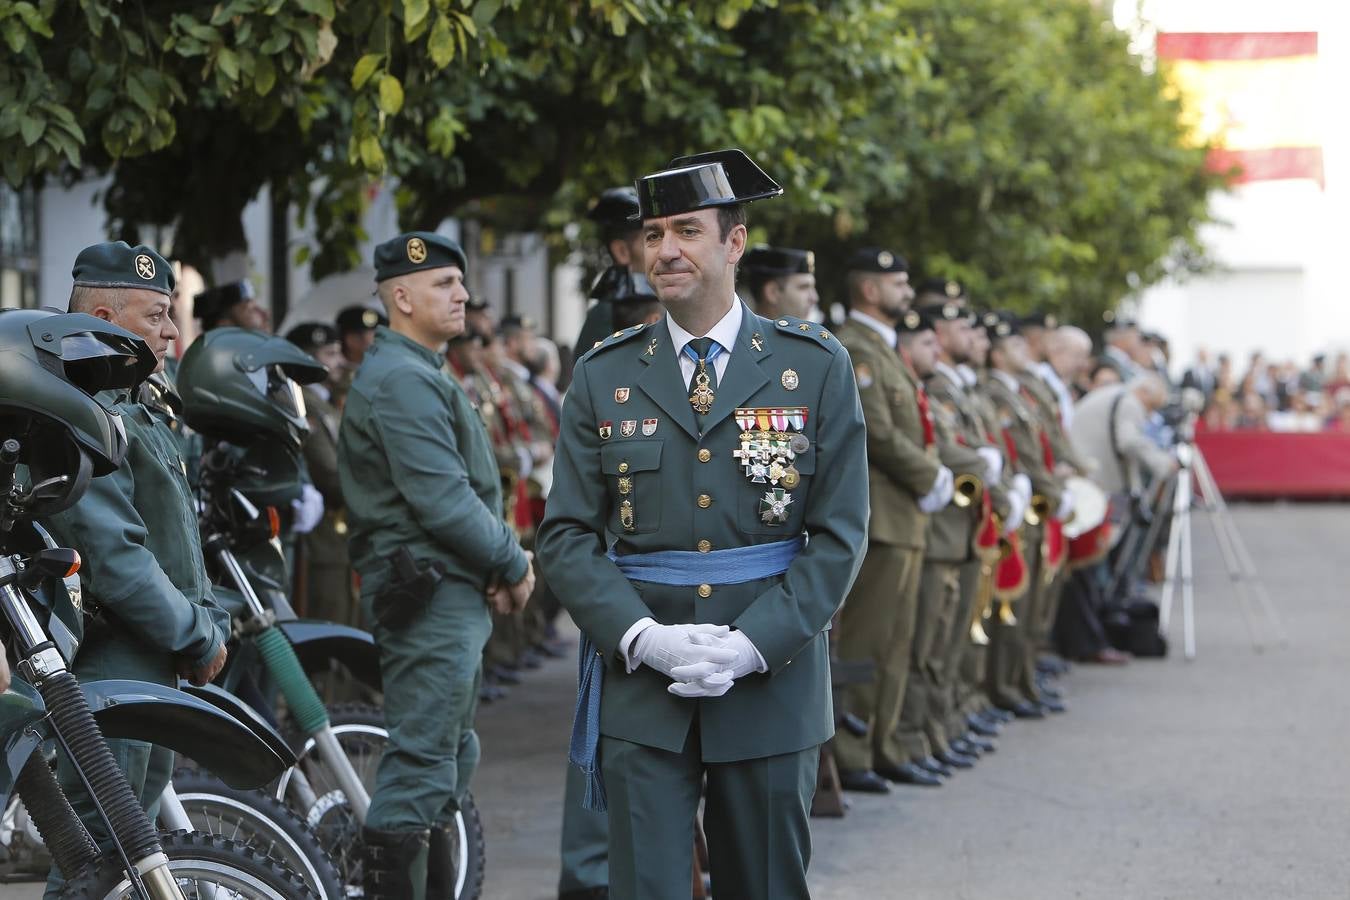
1040	162
1015	144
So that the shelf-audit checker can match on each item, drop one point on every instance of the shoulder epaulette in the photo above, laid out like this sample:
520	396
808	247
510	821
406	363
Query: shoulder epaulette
613	340
813	331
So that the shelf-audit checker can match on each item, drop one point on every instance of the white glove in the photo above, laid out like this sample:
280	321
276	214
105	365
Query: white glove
715	685
1017	513
1065	506
696	648
691	682
993	463
940	494
306	510
1022	485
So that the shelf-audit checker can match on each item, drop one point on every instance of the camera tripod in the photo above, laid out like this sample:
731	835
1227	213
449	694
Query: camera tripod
1193	471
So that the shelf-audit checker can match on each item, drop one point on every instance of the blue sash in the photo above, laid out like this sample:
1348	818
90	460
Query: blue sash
678	567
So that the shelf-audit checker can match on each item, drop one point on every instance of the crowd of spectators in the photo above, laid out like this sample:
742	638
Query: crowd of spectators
1270	396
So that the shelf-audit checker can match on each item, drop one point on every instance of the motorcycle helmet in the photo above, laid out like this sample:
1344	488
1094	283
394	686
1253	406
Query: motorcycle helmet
52	364
240	386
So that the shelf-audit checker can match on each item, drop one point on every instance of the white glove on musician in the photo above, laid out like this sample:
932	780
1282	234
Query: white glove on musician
993	463
940	494
1017	512
1065	506
1022	485
306	510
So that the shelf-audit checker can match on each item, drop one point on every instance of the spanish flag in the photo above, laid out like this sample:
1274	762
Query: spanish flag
1254	96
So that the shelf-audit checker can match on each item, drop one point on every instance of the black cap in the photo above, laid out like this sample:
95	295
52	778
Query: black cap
213	303
616	208
312	335
115	264
703	181
999	325
476	303
940	309
522	322
874	259
949	288
359	318
415	251
1040	319
773	262
914	321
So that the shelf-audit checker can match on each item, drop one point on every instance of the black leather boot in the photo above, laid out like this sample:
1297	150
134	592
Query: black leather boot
441	870
395	864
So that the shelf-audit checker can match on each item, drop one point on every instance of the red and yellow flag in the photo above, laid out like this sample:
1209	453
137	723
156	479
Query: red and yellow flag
1254	95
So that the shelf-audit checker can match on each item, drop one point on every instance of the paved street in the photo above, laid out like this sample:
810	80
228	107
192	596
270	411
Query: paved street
1223	778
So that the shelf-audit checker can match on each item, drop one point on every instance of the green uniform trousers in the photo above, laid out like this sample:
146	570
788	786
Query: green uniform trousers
970	691
755	817
431	671
106	654
947	712
585	839
1041	628
1010	652
877	624
921	731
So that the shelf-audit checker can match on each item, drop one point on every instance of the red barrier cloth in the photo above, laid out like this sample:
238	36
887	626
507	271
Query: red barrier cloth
1269	464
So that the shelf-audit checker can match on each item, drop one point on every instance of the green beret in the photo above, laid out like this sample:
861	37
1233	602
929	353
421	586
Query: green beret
415	251
114	264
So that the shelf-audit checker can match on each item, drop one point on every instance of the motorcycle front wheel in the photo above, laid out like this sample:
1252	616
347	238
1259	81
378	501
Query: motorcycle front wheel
204	866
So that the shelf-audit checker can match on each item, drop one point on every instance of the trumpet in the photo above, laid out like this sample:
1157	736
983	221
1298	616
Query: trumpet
966	491
1039	511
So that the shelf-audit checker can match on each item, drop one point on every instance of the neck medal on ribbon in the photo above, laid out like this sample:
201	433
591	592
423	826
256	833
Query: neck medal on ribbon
702	397
770	442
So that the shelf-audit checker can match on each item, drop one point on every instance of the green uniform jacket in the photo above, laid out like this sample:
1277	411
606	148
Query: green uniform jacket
986	418
951	530
1046	407
417	470
900	468
689	491
1020	424
136	531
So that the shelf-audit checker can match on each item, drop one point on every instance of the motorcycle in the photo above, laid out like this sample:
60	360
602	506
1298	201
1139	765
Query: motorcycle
43	625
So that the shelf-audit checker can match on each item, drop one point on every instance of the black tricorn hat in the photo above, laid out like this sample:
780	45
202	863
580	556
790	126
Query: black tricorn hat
702	181
211	304
777	261
616	207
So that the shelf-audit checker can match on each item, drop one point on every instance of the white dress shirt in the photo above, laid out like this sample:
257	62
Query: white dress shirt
1009	381
724	332
887	332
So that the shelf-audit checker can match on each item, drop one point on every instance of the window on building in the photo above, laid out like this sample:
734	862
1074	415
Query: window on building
18	247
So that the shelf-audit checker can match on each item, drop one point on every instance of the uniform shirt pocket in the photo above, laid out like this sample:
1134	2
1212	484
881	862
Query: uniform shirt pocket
632	476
